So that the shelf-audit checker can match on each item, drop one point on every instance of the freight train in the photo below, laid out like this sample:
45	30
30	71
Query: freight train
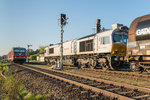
139	44
105	49
17	55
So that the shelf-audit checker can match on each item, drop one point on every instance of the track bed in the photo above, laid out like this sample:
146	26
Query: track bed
108	88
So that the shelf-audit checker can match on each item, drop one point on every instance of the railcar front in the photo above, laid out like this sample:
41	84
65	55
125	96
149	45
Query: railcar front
19	55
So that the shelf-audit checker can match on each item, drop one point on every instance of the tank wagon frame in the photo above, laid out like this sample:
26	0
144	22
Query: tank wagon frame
139	44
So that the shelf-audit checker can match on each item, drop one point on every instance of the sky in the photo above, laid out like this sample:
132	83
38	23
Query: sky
35	22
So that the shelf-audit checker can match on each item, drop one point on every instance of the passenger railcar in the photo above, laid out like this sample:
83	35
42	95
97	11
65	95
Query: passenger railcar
105	49
139	44
17	55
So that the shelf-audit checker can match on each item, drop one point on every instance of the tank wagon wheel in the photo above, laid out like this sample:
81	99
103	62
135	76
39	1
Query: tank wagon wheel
135	67
148	70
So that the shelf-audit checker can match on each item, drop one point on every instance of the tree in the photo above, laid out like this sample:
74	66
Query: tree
32	52
41	50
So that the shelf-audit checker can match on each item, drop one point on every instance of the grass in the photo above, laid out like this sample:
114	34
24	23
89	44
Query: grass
12	89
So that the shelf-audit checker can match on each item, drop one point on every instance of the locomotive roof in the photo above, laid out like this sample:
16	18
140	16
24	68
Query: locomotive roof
92	34
132	29
87	36
18	47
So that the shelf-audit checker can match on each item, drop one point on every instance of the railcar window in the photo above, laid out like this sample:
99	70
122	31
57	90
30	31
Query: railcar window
19	50
51	50
105	40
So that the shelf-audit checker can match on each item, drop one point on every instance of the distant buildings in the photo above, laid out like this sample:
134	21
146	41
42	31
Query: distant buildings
40	58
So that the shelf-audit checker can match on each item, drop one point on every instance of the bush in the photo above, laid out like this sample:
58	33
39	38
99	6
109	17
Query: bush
33	57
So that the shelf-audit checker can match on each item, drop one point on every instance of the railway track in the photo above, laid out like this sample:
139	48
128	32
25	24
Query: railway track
123	74
133	75
111	90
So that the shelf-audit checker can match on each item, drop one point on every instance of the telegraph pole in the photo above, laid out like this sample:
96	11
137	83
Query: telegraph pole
61	49
28	52
63	22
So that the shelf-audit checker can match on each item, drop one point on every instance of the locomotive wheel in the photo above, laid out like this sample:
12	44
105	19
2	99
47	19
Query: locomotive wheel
115	66
105	67
92	64
92	67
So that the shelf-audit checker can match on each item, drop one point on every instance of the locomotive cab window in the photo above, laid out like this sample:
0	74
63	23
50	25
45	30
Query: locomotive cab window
82	46
125	39
51	50
105	40
86	45
120	38
89	45
117	38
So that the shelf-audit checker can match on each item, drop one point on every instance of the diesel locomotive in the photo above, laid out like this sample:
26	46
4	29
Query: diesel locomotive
17	55
139	44
105	49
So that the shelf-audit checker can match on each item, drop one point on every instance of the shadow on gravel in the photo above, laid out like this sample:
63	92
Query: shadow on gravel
19	71
36	63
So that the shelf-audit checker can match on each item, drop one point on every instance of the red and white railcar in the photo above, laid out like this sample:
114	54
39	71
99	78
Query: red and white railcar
17	55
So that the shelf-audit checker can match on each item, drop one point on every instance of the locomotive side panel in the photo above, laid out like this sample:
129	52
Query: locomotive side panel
69	51
69	47
46	52
85	46
52	54
104	42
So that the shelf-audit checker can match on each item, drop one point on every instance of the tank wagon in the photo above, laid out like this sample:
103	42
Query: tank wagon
139	44
17	55
105	49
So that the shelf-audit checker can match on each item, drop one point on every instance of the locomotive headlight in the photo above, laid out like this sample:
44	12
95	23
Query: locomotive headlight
116	51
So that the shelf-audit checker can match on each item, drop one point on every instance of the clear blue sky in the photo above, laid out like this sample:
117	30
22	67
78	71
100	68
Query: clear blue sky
35	22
